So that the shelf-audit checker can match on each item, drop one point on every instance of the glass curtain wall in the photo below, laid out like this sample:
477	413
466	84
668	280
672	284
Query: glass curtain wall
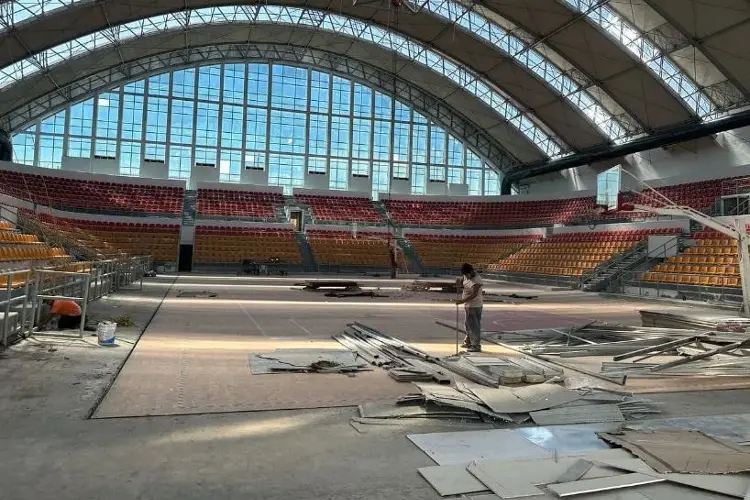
286	120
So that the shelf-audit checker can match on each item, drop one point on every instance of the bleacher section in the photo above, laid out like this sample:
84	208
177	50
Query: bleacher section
160	241
487	214
17	249
340	248
572	254
92	195
445	251
241	204
338	208
63	232
232	245
713	261
697	195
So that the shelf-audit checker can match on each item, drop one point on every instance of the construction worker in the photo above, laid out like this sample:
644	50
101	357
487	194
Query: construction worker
470	285
66	313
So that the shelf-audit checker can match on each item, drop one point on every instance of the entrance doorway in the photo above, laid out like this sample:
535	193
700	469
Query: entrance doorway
185	264
296	218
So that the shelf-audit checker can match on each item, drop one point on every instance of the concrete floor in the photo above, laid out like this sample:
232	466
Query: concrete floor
49	388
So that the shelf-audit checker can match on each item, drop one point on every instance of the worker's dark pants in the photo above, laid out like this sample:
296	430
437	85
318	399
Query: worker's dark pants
69	322
473	325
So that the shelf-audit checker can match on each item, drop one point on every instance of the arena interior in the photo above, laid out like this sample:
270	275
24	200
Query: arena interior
228	182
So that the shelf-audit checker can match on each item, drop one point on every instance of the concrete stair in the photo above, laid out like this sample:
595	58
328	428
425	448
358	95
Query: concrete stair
189	208
609	272
415	263
308	258
381	210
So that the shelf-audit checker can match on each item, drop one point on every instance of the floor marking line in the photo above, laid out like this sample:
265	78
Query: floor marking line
308	332
257	325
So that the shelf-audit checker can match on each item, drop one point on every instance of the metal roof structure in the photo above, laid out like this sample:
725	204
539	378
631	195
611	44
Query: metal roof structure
543	82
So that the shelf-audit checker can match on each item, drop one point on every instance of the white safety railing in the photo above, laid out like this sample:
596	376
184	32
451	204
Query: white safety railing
22	292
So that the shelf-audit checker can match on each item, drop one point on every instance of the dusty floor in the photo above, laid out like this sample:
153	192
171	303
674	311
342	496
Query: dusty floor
192	361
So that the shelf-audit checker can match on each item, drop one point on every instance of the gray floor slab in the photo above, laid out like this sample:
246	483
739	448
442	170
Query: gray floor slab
452	480
453	448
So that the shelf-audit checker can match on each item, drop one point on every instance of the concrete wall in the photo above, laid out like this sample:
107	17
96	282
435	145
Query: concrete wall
240	187
725	155
682	224
341	194
469	232
485	199
243	224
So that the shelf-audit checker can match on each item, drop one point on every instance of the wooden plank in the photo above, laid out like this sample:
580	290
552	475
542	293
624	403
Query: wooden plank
585	486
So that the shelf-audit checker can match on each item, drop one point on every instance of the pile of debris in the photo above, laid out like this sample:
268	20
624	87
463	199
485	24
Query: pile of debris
306	361
579	463
728	351
695	322
480	390
406	363
543	404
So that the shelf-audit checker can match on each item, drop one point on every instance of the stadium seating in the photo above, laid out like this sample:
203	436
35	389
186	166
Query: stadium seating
17	248
160	241
224	245
713	261
92	195
338	208
340	248
572	254
446	251
487	214
241	204
64	231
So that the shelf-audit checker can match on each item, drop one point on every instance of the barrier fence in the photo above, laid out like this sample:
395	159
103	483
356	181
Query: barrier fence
22	291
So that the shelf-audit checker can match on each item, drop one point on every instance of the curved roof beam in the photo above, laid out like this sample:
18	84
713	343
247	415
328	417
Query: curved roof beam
635	42
472	21
471	133
293	16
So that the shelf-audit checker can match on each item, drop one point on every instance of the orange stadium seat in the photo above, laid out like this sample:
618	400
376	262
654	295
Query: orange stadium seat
572	254
225	245
713	261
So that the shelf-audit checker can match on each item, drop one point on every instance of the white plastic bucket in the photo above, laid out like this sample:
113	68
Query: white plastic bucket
105	330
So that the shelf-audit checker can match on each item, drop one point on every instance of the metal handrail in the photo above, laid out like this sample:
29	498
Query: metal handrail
660	250
590	274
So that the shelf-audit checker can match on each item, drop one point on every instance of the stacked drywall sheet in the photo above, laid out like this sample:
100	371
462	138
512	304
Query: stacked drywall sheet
504	464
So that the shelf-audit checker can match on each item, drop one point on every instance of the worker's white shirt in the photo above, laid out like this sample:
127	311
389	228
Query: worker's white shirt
468	284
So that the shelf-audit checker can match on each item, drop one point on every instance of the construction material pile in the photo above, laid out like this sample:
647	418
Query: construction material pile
690	352
720	323
544	404
406	363
473	387
579	462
